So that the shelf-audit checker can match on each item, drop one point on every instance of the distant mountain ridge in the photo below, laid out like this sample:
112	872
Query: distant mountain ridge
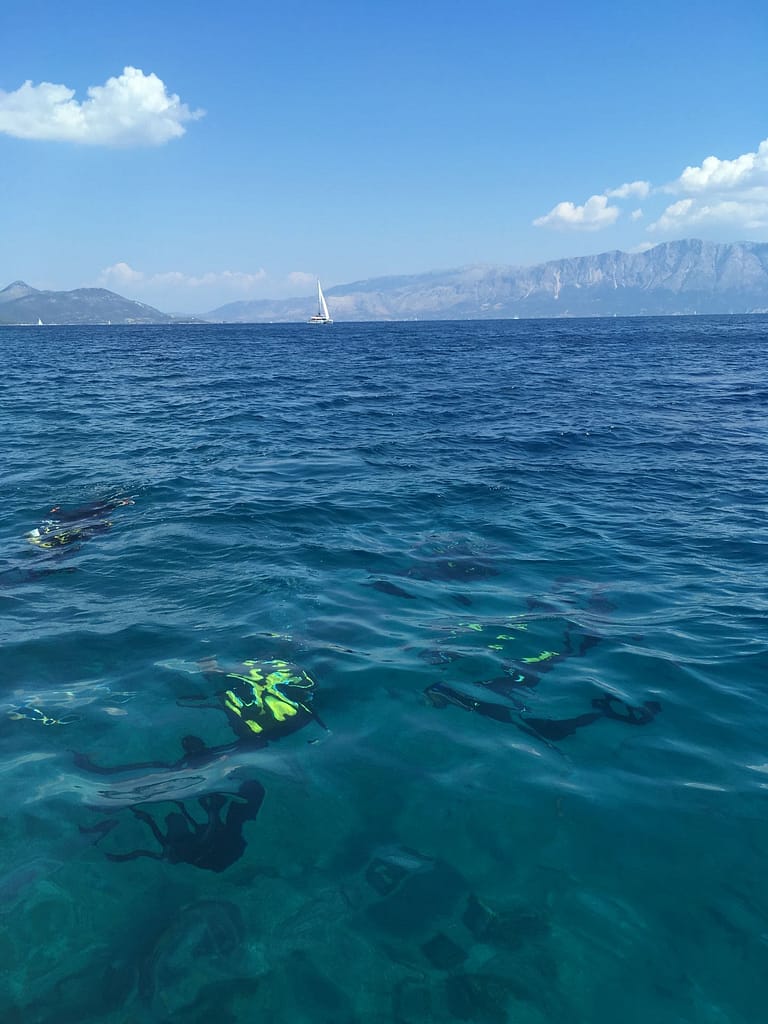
683	277
22	304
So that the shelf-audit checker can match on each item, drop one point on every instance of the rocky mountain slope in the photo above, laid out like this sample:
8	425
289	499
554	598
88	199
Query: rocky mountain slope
683	277
21	304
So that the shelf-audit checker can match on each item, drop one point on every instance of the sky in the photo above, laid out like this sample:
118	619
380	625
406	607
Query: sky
192	154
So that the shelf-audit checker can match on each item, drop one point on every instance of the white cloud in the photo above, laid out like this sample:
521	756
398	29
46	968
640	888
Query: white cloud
301	279
132	109
737	213
636	215
122	275
592	216
745	172
640	189
720	193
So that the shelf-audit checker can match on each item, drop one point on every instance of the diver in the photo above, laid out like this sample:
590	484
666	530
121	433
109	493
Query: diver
51	536
214	844
513	712
265	700
503	697
64	528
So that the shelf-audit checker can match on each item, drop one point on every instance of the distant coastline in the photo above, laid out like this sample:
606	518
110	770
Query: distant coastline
682	278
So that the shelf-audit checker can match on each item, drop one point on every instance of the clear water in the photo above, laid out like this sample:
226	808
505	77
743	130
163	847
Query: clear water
379	505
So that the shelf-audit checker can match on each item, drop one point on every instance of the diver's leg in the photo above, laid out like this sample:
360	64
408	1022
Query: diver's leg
558	729
150	822
495	711
186	814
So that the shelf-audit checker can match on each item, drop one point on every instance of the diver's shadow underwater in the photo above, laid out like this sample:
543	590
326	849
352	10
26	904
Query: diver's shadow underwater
213	844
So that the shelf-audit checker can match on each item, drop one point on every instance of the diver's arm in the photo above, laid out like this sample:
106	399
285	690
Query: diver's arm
84	762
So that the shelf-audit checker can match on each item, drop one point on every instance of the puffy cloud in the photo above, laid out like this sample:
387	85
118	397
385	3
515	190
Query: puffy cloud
593	215
132	109
730	194
121	275
745	172
686	213
639	189
720	193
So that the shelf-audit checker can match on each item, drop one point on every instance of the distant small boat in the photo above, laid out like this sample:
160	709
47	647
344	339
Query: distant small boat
40	322
322	316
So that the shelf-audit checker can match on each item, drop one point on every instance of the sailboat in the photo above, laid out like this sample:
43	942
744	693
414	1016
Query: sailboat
39	322
322	316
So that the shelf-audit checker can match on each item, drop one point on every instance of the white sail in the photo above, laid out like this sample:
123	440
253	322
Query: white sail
322	316
323	304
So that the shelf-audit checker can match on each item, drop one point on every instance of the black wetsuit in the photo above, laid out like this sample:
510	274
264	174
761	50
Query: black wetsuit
551	729
94	510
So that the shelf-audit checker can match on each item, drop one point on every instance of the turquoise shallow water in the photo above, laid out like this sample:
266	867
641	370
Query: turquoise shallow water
394	509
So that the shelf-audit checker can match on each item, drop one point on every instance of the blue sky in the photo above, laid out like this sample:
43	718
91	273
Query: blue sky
252	146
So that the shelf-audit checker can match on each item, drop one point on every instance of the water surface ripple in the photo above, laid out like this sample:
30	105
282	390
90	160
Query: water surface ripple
536	520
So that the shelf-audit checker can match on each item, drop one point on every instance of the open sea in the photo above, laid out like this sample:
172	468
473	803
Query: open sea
401	673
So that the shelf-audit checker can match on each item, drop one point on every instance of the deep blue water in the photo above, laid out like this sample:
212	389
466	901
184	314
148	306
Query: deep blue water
392	509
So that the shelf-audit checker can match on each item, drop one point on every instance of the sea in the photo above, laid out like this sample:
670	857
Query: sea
402	673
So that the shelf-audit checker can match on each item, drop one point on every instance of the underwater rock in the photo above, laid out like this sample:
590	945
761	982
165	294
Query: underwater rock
483	998
103	986
477	917
506	929
317	992
443	953
411	1001
416	889
227	1002
202	945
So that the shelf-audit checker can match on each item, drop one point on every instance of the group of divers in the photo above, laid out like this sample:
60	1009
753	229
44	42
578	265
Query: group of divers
265	700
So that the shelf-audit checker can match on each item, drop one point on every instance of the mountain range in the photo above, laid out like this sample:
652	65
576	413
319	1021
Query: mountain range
682	277
22	304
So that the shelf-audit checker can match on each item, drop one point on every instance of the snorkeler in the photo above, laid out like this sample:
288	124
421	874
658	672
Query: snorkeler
511	711
503	697
64	528
213	844
51	536
265	700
